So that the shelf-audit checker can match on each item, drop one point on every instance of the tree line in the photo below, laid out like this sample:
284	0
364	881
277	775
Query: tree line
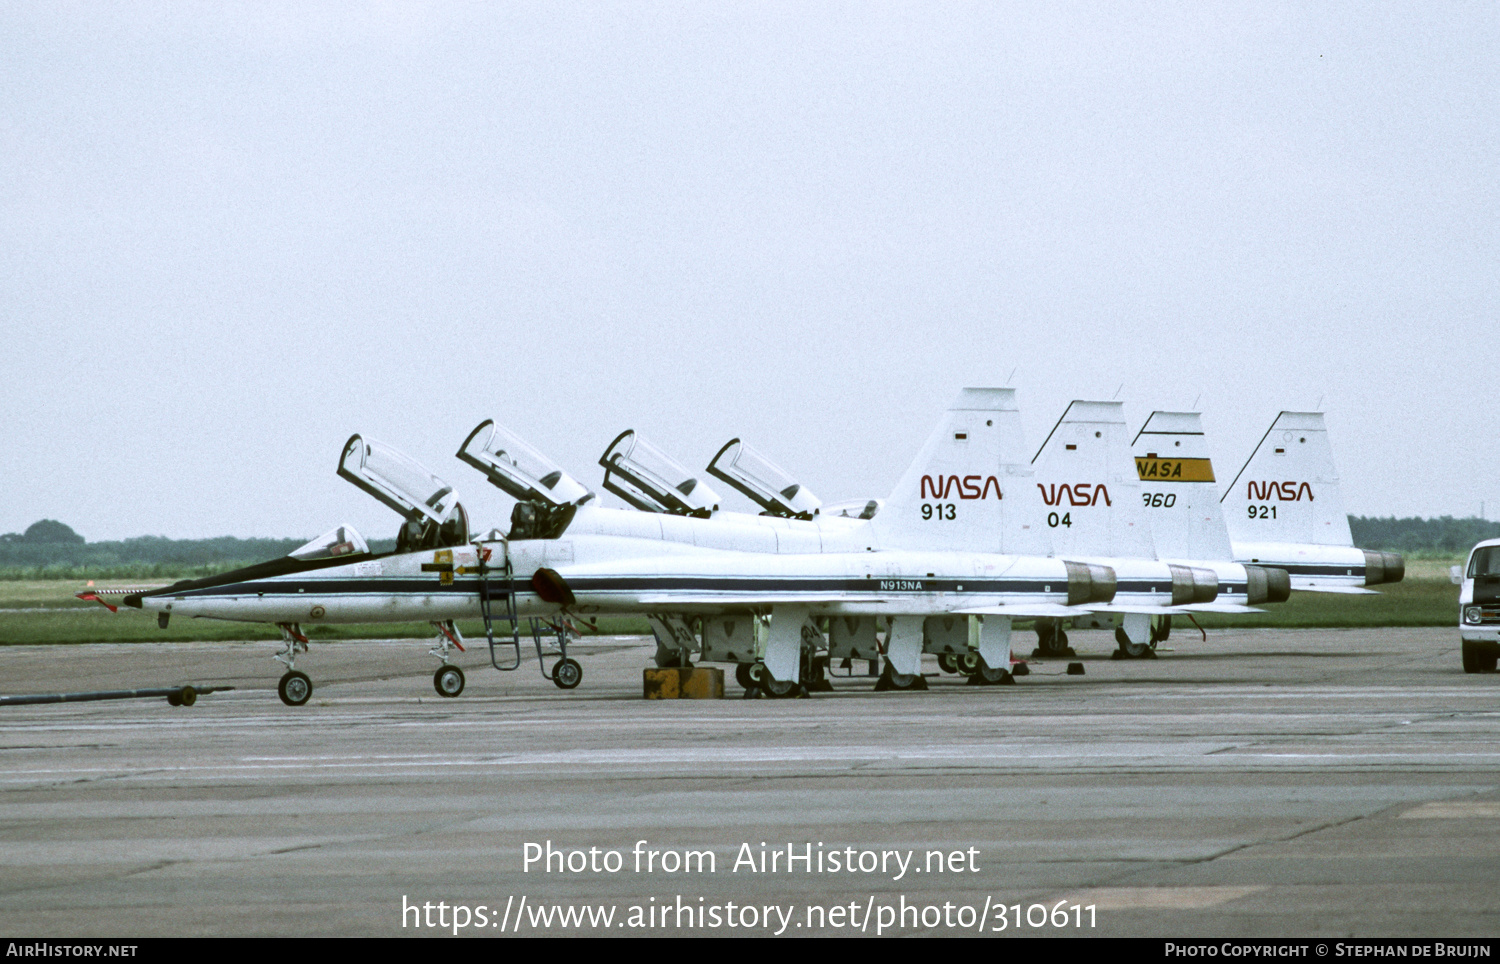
51	549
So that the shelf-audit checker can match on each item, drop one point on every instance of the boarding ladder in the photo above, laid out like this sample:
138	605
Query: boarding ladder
507	590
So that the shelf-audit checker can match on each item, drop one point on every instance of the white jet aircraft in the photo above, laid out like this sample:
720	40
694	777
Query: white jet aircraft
1284	511
920	557
1094	506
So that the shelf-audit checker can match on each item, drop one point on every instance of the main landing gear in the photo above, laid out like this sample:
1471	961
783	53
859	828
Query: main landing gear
1051	639
758	681
892	680
1160	630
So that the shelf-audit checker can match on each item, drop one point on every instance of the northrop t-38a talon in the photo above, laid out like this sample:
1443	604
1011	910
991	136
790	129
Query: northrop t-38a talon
951	542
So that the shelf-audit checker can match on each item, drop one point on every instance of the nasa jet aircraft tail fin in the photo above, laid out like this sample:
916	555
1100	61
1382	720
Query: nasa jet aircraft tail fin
1090	496
1288	493
1178	490
966	489
1288	490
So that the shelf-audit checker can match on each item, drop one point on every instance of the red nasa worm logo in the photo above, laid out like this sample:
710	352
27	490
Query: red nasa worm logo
1077	494
1280	491
969	487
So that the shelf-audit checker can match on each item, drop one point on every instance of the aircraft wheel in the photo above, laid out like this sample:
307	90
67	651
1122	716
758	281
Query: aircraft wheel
967	663
295	688
448	681
757	674
742	675
890	680
983	675
947	663
781	689
1053	641
175	699
188	696
1130	649
567	674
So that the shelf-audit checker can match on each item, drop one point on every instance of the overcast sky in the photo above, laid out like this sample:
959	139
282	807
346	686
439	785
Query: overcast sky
231	235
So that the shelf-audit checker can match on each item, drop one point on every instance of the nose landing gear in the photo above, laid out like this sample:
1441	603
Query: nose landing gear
295	688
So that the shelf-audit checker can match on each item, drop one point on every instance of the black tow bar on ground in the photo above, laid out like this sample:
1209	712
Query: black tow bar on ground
176	695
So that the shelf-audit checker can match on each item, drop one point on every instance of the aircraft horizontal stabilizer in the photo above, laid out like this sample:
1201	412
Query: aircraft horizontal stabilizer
1141	609
1221	607
753	597
1028	611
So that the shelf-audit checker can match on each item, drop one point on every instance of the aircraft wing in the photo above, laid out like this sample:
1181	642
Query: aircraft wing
1036	610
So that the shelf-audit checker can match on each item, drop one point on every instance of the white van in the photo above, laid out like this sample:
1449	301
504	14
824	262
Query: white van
1479	607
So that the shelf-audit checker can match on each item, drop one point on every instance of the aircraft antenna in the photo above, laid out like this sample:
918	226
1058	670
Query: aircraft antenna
1118	391
1010	379
1319	407
1196	400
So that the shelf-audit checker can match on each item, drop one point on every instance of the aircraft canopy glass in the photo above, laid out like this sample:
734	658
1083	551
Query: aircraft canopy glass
397	481
518	469
343	541
853	509
647	478
762	480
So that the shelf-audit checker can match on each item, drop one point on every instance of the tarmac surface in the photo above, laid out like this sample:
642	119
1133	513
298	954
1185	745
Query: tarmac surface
1262	783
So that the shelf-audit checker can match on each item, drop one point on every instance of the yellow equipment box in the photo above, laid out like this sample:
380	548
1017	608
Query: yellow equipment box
688	683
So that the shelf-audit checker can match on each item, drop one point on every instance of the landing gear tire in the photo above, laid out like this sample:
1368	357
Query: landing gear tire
1132	650
567	674
448	681
188	696
781	689
984	676
742	675
890	680
967	664
175	699
295	688
1051	640
815	676
948	663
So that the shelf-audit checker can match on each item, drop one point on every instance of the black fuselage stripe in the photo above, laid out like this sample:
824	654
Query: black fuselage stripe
378	586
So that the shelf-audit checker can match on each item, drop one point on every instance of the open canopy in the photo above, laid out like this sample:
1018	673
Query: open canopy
518	469
647	478
397	481
343	541
762	481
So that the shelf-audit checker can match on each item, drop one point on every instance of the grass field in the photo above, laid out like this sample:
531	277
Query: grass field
45	611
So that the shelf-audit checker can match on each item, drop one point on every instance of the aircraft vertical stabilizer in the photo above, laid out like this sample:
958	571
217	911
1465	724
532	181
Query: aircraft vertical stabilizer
966	490
1178	489
1288	491
1086	479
